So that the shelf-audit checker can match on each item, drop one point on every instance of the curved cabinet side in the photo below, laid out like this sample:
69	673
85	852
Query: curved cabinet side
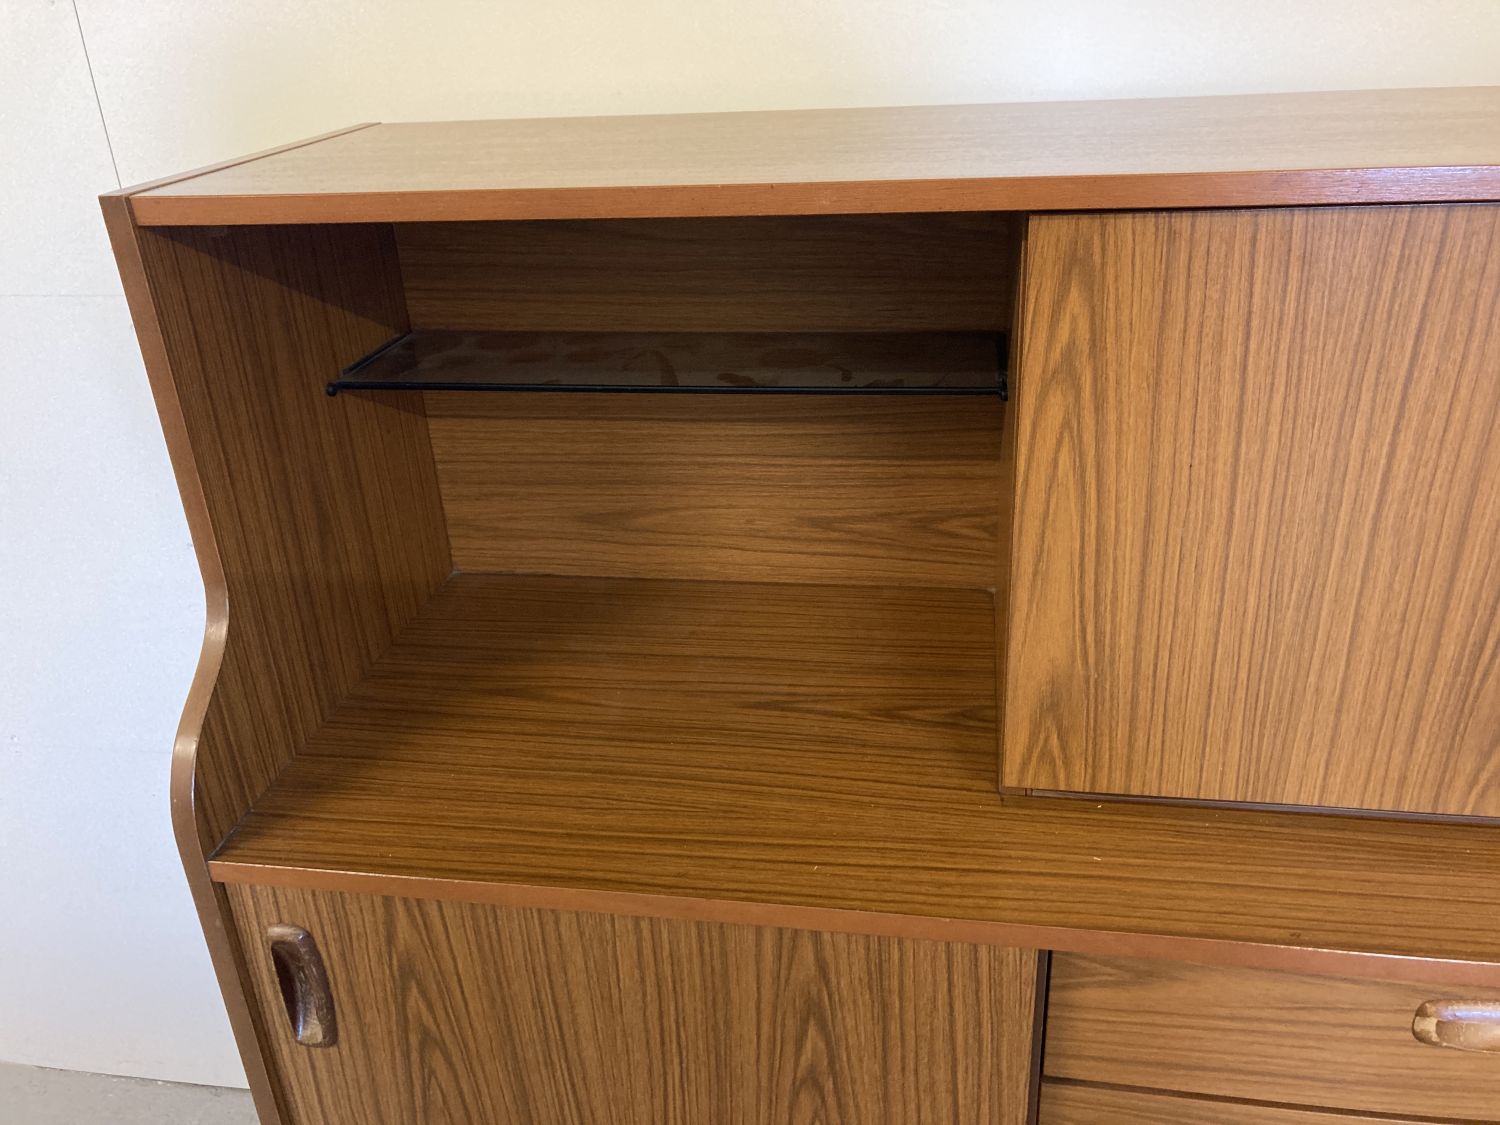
208	899
317	519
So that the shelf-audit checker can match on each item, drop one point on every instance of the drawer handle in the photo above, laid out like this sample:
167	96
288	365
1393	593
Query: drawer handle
1467	1025
304	985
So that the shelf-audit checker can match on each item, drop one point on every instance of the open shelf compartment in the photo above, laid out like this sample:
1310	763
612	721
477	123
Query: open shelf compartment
748	751
759	682
838	363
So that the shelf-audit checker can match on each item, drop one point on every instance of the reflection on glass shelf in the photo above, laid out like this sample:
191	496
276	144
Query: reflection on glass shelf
917	363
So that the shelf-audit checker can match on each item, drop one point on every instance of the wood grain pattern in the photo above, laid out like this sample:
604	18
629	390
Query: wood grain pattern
782	489
1281	1037
831	273
326	522
453	1015
209	898
1068	1103
809	756
1264	149
1258	497
236	331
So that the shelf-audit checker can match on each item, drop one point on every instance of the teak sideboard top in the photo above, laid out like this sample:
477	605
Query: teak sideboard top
1384	146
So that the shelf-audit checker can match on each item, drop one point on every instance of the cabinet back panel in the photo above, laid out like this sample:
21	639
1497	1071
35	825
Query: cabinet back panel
833	273
738	488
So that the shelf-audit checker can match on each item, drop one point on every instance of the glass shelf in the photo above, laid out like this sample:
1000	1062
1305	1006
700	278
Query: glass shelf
829	363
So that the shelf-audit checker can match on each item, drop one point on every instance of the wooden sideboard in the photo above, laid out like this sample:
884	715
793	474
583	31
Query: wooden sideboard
862	617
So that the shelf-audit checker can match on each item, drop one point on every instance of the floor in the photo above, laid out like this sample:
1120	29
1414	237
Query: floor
32	1096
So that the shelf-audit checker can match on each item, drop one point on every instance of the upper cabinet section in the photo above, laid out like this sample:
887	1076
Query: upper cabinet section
1377	146
1257	534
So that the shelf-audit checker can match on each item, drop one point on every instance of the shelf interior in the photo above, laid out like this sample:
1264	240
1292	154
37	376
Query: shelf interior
795	745
961	363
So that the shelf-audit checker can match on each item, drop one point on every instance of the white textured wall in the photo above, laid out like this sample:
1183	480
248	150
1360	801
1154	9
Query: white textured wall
101	965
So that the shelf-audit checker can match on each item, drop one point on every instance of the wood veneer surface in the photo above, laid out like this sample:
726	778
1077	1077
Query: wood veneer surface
1067	1103
808	755
1257	509
787	489
1249	1033
235	329
323	517
1263	149
826	273
454	1014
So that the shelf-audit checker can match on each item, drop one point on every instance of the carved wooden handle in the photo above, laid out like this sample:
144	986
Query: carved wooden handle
1468	1025
304	985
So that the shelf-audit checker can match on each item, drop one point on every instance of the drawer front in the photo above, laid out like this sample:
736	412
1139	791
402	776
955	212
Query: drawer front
1066	1104
1276	1037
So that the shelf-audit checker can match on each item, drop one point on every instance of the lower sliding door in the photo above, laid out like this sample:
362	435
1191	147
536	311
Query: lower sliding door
446	1013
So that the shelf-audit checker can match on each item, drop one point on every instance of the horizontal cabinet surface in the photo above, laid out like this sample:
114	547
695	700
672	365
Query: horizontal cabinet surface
1276	1037
810	755
454	1014
1068	1104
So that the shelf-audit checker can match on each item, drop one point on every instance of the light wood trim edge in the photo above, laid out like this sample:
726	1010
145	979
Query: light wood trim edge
1456	184
228	961
234	162
1202	951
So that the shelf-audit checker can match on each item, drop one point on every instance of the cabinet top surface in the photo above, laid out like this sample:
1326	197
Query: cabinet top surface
1379	146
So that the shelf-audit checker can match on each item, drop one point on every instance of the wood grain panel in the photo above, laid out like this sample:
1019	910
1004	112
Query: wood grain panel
209	898
817	756
787	489
1067	1103
1258	500
1281	1037
1250	150
834	273
324	515
461	1014
236	331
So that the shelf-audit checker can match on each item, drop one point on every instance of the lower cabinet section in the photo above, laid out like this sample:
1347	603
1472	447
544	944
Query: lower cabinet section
1315	1042
455	1014
1067	1104
397	1011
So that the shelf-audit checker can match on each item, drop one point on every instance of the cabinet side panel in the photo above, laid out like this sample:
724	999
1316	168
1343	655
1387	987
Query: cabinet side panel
451	1014
324	513
1258	493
